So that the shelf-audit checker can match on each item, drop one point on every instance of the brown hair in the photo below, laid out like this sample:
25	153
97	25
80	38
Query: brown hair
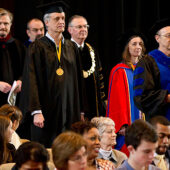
13	112
64	146
140	130
126	55
6	12
4	152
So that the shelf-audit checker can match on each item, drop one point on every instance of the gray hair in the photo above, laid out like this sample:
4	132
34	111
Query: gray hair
102	123
46	18
74	17
6	12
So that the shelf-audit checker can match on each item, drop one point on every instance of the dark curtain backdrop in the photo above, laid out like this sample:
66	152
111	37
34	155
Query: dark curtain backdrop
107	19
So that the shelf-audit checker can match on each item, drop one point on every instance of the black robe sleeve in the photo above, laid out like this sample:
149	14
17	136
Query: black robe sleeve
149	97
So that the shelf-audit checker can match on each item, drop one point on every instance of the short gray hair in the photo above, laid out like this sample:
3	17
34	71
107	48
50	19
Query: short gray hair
74	17
46	18
102	123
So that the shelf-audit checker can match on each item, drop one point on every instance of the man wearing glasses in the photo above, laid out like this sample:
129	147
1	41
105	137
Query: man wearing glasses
94	95
35	30
152	80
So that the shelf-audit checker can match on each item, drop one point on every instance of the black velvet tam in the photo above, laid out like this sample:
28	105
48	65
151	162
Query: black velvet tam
159	25
58	6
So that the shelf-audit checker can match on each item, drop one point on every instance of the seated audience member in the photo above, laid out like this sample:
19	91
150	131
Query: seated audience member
141	140
7	150
162	155
31	156
15	115
35	30
69	152
106	127
91	135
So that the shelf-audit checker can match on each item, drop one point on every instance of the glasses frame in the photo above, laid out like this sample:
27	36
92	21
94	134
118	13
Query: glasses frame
81	26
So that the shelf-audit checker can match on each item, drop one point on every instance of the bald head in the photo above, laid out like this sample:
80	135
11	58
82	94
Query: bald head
35	29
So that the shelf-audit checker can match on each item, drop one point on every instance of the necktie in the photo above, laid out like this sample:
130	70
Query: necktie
161	162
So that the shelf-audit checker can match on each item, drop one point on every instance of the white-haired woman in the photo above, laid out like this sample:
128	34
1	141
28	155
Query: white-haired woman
106	127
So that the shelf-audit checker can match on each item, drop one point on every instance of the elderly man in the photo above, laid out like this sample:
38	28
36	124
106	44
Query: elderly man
35	30
51	87
151	76
94	95
162	156
12	54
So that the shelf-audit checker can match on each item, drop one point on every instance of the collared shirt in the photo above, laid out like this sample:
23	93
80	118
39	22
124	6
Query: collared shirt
111	157
49	36
78	45
156	161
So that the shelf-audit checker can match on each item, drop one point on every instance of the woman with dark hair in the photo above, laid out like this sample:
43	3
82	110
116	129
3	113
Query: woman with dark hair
31	155
69	152
121	108
91	135
7	150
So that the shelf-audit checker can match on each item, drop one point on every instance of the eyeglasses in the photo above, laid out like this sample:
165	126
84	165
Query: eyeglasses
37	29
81	26
166	35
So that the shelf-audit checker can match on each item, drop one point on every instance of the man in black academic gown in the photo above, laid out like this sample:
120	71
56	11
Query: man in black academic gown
35	30
94	93
151	76
12	54
51	80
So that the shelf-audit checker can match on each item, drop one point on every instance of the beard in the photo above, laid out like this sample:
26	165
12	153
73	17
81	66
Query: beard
3	33
162	149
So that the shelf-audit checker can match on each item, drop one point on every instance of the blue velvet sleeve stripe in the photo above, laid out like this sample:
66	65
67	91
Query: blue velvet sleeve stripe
138	92
138	82
138	70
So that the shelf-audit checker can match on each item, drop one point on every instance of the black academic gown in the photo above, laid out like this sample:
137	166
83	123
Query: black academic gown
56	96
149	96
12	55
94	93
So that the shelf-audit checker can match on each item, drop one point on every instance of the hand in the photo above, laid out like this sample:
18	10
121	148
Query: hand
19	84
105	102
122	131
39	120
4	87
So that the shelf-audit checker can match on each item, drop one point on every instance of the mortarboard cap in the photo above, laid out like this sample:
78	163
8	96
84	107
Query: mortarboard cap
57	6
159	25
124	38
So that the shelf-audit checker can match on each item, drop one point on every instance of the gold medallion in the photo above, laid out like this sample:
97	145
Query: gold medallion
59	71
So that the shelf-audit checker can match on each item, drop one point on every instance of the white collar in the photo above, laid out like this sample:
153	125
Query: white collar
49	36
78	45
